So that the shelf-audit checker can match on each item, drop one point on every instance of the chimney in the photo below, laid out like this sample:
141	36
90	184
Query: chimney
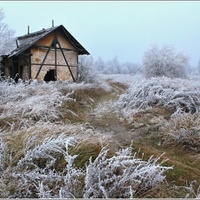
28	30
52	23
17	43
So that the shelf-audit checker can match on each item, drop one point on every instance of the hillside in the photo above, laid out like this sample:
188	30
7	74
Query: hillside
123	136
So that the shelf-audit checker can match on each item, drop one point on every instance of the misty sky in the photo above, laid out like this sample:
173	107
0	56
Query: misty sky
125	29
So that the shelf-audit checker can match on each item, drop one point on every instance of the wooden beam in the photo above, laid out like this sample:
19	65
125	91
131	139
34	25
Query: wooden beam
58	65
47	47
77	72
44	58
29	66
55	73
66	60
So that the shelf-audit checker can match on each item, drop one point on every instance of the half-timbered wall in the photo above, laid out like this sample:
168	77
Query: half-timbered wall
53	57
39	52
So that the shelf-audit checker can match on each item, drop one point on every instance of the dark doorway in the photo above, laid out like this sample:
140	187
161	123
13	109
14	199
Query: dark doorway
50	76
21	71
15	70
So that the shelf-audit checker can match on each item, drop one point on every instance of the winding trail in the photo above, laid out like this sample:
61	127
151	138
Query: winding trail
186	166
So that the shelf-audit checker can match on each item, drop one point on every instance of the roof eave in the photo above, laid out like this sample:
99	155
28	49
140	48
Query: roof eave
75	43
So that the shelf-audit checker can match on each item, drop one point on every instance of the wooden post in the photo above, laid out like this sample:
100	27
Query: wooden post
66	61
77	72
29	66
55	42
12	66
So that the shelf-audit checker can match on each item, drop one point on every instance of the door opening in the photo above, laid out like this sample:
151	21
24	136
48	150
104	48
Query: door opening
50	76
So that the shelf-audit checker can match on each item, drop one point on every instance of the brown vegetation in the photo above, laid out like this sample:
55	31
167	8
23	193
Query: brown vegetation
150	132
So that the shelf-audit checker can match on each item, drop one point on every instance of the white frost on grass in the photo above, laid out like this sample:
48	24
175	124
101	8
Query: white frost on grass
2	154
126	79
36	101
101	84
46	165
122	175
175	95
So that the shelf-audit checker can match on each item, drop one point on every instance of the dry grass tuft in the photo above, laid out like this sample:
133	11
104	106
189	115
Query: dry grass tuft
18	141
184	130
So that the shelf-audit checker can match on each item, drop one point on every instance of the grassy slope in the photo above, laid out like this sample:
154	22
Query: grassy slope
147	137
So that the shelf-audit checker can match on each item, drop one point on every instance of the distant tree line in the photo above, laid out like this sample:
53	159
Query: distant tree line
89	69
115	67
156	62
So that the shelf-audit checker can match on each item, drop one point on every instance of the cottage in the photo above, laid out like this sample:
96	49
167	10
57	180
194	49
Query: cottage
49	54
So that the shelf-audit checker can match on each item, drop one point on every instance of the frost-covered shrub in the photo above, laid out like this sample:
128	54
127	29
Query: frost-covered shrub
35	101
36	175
22	139
42	168
187	138
175	95
29	102
122	176
2	154
38	159
184	130
165	62
47	170
191	190
86	70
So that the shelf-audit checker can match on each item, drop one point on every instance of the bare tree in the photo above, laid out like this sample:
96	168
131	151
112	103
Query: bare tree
165	61
6	36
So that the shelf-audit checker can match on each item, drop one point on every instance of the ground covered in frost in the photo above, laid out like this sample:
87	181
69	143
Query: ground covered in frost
122	136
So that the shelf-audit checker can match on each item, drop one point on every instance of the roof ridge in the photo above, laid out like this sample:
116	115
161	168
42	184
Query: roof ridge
36	33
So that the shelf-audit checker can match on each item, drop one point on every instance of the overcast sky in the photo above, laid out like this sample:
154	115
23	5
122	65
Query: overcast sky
117	28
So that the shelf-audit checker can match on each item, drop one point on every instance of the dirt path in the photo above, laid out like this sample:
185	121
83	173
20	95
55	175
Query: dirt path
109	123
145	140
